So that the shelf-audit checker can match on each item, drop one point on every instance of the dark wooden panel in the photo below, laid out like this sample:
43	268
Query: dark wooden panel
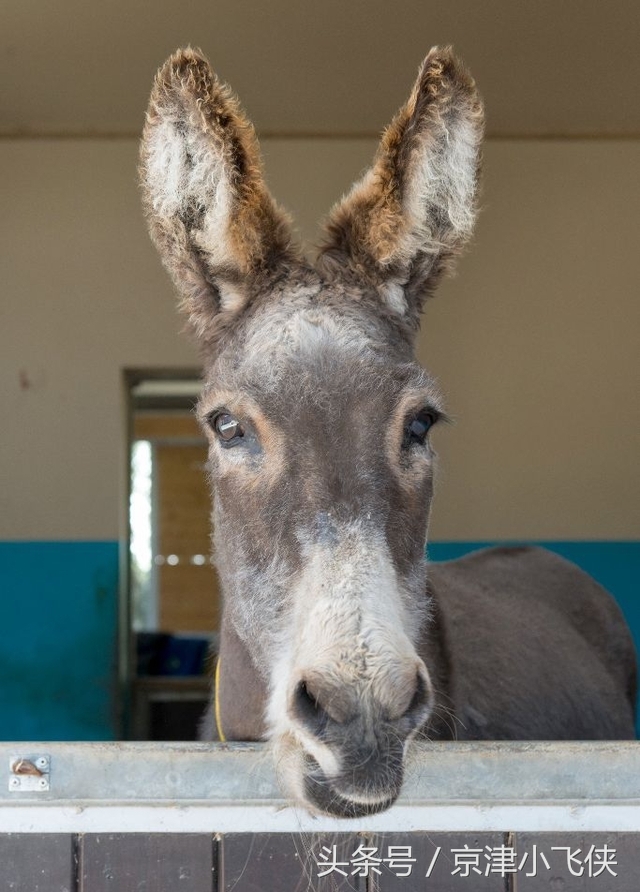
154	862
31	862
439	862
284	862
579	862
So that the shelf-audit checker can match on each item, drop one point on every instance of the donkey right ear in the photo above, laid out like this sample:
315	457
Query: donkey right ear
400	227
219	233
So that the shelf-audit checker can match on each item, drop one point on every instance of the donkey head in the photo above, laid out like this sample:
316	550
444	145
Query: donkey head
318	416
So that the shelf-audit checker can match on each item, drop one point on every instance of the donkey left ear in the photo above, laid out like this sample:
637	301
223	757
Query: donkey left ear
219	232
402	225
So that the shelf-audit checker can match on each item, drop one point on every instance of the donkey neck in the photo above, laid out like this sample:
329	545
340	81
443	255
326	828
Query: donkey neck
242	691
434	650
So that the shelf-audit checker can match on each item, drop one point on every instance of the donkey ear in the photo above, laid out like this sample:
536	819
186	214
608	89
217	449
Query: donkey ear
210	215
401	226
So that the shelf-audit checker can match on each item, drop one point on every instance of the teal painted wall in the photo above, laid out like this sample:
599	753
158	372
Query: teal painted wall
58	640
59	628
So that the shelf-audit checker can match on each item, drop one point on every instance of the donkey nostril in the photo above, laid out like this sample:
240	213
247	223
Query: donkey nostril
417	701
306	706
317	703
420	702
307	698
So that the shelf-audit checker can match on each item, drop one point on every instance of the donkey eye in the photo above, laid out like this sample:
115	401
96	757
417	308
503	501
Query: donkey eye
227	427
417	428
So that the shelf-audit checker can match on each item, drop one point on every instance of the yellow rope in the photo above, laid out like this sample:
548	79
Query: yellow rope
216	693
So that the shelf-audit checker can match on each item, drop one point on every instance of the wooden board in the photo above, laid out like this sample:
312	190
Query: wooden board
320	862
38	862
284	862
590	862
438	862
155	862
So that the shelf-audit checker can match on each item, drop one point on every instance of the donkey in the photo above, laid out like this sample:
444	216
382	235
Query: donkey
339	642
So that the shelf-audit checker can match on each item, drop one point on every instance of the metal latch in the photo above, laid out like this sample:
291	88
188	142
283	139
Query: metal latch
29	773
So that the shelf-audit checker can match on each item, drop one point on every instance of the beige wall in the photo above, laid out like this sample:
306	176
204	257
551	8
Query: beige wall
535	342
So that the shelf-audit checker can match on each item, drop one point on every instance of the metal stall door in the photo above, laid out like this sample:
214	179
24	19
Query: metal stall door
180	817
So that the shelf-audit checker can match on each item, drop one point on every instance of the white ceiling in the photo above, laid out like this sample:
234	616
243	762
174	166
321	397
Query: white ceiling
335	67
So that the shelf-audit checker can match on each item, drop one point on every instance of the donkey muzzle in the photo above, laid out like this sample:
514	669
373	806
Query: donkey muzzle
365	737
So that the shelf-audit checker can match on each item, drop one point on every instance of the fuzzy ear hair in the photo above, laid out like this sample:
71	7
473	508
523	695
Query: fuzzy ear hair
210	215
401	226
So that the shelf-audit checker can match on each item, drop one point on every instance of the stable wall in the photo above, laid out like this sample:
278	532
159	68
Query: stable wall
535	344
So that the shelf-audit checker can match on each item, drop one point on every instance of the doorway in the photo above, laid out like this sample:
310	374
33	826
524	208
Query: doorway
172	600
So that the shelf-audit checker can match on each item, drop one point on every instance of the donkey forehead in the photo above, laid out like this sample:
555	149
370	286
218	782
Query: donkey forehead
300	320
295	352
